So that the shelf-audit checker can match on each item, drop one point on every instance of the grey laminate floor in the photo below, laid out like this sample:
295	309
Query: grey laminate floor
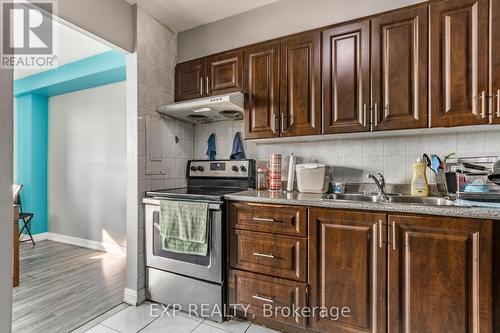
64	286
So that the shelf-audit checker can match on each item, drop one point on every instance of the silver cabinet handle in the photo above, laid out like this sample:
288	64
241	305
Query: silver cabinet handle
284	120
393	235
265	299
257	254
201	86
380	233
375	111
365	115
483	104
498	103
206	83
273	122
262	219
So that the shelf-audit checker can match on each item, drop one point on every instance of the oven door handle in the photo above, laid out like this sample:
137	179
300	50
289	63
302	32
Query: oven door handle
209	227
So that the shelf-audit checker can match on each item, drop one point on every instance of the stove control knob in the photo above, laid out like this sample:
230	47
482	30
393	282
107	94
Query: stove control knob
234	168
242	168
200	168
193	168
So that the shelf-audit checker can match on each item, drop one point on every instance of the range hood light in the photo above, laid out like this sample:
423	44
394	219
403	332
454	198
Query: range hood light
202	110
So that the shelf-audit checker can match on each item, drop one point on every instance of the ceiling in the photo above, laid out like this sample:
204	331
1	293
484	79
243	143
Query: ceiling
181	15
70	46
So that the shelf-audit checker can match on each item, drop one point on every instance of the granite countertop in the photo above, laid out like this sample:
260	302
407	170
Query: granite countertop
316	200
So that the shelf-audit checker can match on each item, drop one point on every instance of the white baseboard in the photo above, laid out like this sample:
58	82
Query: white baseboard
36	238
90	244
134	297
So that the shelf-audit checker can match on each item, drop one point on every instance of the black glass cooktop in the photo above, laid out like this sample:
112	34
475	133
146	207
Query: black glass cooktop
195	193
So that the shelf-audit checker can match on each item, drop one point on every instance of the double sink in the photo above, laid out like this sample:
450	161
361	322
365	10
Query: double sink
361	197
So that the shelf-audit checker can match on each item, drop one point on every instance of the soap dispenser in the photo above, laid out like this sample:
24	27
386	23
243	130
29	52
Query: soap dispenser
419	183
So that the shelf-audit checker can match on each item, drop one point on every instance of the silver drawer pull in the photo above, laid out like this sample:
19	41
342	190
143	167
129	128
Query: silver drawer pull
257	254
264	299
262	219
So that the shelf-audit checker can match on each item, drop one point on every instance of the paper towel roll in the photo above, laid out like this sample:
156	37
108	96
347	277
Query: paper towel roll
291	173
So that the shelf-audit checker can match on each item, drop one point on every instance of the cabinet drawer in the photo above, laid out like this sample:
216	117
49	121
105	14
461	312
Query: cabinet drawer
277	255
261	293
280	219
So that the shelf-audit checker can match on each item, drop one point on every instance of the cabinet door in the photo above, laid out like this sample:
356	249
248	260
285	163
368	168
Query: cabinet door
347	268
189	80
300	85
224	73
261	79
495	44
346	78
400	68
459	62
439	274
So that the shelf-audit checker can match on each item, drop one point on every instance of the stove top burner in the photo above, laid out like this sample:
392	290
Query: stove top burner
196	193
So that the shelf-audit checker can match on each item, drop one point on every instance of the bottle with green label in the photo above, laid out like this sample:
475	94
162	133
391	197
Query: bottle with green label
419	183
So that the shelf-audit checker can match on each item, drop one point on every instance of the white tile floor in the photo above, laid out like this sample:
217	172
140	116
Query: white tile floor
138	319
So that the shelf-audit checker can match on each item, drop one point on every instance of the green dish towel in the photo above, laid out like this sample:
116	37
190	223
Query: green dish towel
183	227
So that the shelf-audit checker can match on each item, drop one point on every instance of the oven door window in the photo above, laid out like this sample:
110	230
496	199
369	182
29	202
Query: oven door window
158	250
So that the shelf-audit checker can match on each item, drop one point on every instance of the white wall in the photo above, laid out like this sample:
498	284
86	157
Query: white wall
150	80
6	169
278	19
87	164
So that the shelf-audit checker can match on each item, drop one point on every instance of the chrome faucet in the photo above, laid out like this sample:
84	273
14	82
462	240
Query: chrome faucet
380	182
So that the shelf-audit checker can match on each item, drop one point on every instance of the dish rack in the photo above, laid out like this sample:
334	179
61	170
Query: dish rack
467	178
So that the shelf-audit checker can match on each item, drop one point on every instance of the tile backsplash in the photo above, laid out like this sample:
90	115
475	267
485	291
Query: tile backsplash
353	159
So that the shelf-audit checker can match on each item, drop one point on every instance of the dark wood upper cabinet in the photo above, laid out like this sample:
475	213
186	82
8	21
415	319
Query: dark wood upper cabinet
224	73
300	87
189	80
346	78
495	70
261	86
439	263
400	70
459	62
347	268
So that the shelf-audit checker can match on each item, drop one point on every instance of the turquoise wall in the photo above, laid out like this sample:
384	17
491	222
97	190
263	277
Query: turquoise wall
32	95
31	131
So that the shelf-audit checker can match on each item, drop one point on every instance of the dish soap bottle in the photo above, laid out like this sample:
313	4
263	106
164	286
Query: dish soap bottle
419	183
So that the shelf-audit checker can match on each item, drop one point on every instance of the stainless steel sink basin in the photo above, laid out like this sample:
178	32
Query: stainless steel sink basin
360	197
354	197
425	201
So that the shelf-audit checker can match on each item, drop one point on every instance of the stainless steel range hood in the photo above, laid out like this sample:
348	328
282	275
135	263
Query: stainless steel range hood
208	109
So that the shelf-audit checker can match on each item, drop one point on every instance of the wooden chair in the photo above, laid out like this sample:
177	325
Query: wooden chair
24	217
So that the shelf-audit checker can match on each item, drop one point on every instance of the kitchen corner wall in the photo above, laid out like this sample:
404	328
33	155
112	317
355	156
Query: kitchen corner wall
156	47
156	52
353	159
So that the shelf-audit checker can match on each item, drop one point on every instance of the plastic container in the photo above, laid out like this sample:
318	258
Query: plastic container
312	178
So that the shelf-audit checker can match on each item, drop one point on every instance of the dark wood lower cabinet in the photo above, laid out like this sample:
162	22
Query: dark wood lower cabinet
439	274
347	268
372	272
